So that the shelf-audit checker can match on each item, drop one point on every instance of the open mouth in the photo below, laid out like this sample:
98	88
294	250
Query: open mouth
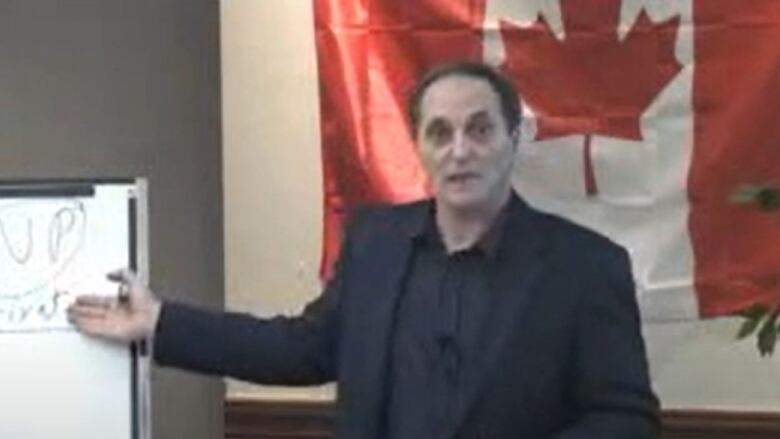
462	177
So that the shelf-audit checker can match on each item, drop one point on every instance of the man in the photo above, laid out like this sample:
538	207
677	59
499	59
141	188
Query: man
467	316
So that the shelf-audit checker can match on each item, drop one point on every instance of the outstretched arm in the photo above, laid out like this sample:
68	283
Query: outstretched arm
300	350
280	350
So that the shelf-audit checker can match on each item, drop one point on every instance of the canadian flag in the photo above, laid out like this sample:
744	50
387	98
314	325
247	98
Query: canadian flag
642	117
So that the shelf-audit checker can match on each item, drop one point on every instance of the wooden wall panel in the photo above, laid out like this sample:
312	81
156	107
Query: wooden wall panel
255	419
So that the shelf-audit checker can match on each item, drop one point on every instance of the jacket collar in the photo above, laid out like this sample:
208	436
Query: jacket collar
418	220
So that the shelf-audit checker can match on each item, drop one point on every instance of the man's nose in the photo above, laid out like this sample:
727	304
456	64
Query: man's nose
460	146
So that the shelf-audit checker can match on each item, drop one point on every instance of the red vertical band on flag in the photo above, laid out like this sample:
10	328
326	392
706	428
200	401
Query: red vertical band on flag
737	142
369	54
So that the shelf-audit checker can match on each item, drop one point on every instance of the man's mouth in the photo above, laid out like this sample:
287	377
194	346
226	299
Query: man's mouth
462	177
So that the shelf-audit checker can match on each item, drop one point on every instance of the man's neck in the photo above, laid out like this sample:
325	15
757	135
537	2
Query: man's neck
462	228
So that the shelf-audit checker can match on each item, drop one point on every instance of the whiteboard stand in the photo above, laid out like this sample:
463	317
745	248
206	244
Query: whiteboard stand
143	361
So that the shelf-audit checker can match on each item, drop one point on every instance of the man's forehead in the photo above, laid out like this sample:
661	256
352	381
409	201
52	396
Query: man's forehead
459	97
458	119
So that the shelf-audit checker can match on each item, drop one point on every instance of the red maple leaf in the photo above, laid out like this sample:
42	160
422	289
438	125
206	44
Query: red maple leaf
591	82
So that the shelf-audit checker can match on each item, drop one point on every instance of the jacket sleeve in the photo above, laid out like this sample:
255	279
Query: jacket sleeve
300	350
612	386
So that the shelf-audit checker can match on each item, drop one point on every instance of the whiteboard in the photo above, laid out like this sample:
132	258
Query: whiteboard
58	240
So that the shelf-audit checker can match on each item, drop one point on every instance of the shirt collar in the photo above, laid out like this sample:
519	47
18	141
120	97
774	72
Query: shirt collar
427	231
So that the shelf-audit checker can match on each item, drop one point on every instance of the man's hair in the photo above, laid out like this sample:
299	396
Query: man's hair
511	108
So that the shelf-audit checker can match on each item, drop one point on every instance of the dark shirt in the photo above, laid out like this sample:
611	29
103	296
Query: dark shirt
436	340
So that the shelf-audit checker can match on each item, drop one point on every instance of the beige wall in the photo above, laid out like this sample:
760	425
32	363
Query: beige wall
272	172
273	212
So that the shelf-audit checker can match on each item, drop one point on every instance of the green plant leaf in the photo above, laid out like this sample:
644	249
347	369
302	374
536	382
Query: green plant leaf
753	317
768	199
767	336
748	327
756	310
746	194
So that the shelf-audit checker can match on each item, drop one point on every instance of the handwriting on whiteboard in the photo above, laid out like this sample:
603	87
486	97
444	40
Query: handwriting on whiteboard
38	243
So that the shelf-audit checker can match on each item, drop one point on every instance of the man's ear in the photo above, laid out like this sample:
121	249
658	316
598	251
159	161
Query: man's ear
515	136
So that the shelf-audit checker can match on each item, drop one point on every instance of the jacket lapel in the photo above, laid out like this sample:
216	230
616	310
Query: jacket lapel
512	279
384	277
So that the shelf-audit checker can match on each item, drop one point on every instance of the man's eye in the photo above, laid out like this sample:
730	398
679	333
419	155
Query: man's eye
439	135
480	130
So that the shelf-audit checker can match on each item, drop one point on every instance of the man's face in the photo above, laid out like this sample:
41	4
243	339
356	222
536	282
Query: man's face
463	142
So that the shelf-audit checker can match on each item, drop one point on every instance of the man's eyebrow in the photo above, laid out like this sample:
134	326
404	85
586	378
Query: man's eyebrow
479	114
435	121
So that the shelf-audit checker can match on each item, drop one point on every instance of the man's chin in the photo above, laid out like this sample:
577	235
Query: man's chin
461	201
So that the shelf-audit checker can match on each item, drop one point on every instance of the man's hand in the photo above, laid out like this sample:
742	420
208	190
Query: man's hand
132	316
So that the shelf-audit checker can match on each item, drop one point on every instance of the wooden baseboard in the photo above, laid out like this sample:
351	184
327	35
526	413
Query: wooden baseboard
700	424
260	419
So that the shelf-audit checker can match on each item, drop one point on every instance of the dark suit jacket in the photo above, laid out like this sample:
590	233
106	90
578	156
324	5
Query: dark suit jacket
566	359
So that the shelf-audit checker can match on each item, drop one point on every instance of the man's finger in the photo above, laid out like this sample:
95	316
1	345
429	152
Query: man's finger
124	276
99	328
84	312
96	301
